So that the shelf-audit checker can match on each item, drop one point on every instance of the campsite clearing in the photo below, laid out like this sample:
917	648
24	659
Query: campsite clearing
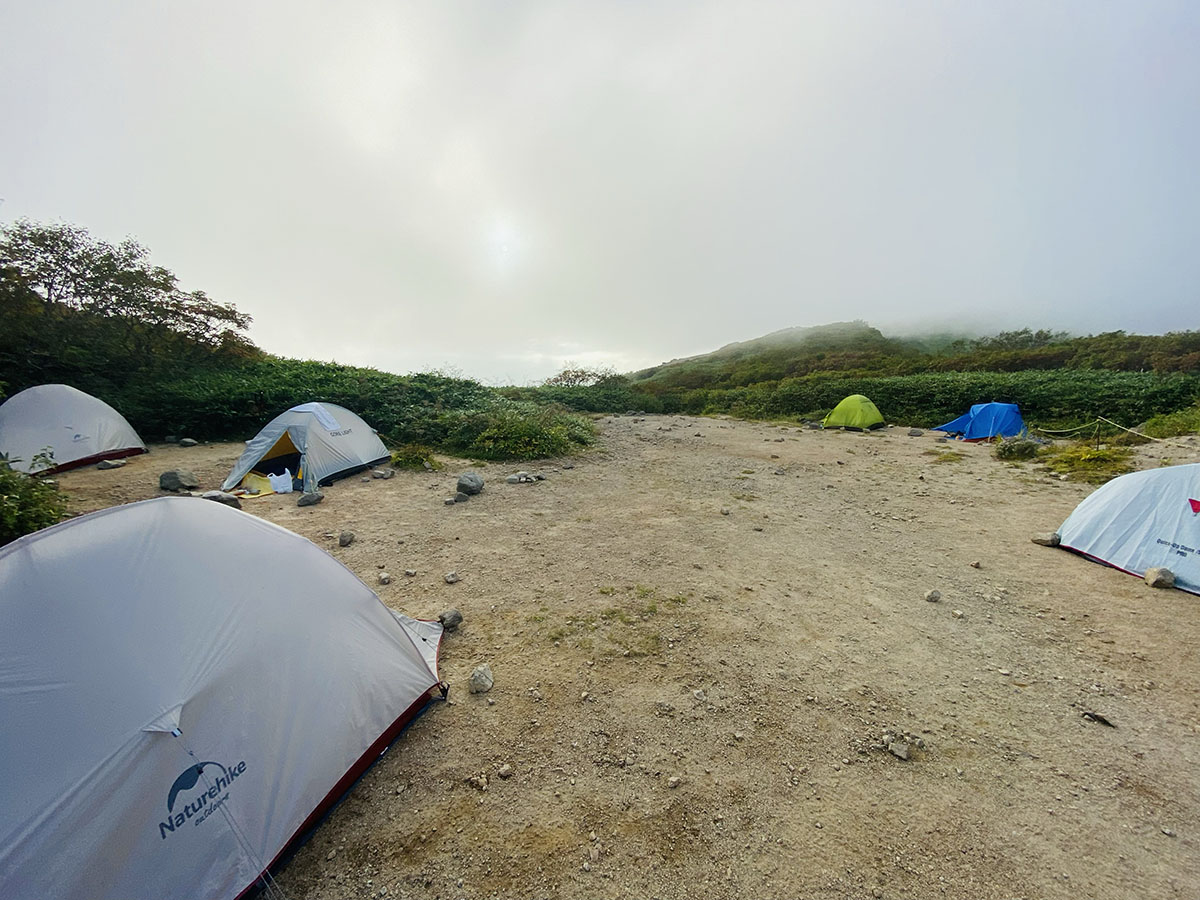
712	653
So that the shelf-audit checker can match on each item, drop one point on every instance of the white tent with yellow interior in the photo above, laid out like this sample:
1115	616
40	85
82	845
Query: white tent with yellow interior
313	443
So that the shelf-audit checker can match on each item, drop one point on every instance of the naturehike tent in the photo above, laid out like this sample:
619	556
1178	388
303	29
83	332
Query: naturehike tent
318	441
856	412
985	421
1142	520
184	689
74	428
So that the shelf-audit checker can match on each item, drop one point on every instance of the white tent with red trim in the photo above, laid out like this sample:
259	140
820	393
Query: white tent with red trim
184	690
1140	521
55	426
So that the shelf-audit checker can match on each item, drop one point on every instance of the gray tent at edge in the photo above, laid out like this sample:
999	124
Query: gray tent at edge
71	427
185	689
317	441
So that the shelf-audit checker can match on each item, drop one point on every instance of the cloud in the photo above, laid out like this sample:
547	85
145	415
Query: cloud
487	185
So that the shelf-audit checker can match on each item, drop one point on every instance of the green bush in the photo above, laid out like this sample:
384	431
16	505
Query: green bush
513	430
414	456
1083	461
1016	448
1185	421
26	504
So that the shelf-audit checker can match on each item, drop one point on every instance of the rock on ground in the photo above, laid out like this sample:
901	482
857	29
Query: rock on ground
178	480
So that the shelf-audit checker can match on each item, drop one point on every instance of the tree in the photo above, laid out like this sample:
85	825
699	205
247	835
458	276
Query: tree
84	308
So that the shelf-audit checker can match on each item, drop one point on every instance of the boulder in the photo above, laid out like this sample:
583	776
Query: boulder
470	483
178	480
310	499
1159	577
222	497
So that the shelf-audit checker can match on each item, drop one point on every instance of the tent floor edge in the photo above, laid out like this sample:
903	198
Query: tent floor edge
340	791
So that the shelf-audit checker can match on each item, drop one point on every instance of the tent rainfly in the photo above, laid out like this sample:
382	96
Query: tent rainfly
1142	520
317	442
985	421
185	690
855	413
70	427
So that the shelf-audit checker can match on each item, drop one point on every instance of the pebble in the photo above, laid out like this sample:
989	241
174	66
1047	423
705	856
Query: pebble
724	510
461	497
410	572
110	464
974	564
505	771
898	749
346	538
451	578
385	578
331	854
310	499
1159	577
674	781
933	596
957	613
1046	539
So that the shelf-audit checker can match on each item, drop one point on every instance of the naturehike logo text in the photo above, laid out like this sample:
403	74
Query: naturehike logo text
215	793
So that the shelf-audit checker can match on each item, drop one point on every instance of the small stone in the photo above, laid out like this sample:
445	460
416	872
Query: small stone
385	578
188	442
898	749
346	538
223	498
331	854
724	510
739	736
915	432
1168	832
957	613
470	483
674	781
975	564
310	499
513	479
481	680
450	619
110	464
411	573
451	578
933	596
383	474
449	501
1159	577
505	771
460	497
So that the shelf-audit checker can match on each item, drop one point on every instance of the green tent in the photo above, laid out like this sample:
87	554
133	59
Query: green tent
855	412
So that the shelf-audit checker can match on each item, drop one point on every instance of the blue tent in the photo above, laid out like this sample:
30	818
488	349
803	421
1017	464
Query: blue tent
986	420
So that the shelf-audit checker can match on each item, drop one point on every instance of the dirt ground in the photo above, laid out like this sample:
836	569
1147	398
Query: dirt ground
702	631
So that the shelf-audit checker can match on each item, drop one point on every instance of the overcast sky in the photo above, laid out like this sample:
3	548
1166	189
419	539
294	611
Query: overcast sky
498	188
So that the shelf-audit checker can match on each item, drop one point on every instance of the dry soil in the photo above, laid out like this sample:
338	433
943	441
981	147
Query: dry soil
701	633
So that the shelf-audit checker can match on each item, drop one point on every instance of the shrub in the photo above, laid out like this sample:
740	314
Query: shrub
1185	421
512	430
26	504
1016	448
414	456
1085	462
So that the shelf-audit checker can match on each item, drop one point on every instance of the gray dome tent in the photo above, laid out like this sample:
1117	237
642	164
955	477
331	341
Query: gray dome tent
176	713
317	441
74	428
